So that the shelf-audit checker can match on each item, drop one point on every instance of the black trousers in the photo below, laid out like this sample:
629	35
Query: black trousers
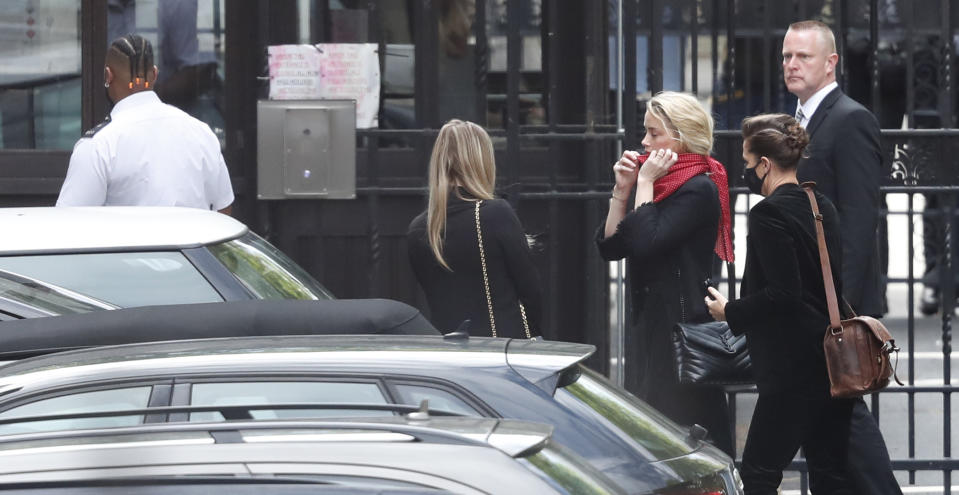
869	465
784	422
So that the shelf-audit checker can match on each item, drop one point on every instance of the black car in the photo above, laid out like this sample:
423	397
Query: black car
636	447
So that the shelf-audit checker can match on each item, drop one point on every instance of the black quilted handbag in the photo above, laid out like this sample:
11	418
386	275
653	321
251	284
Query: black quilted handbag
709	354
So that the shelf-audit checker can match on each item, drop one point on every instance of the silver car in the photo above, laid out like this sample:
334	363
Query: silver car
140	256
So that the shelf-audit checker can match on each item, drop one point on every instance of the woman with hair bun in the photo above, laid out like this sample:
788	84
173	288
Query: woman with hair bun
460	281
670	232
783	312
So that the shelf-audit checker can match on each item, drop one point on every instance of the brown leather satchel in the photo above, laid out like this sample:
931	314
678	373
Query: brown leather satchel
857	349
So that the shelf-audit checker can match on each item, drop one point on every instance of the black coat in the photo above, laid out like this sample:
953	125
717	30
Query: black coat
669	250
782	307
457	295
845	161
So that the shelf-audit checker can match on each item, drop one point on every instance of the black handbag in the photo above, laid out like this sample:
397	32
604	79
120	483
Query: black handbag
710	354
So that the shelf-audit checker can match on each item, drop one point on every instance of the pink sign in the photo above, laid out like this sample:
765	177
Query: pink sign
340	71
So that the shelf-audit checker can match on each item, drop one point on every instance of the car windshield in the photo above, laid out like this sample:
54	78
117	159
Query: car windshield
266	271
126	279
44	298
591	394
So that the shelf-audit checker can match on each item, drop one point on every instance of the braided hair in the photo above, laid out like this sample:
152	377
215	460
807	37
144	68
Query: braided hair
777	136
138	53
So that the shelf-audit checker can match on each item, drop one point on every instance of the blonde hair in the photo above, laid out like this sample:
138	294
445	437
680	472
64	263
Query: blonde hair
825	34
462	157
682	114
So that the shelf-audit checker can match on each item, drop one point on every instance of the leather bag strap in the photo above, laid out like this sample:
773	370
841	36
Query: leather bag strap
831	300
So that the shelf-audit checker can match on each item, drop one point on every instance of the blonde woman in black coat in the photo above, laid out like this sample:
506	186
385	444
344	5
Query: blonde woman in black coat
444	248
782	310
669	217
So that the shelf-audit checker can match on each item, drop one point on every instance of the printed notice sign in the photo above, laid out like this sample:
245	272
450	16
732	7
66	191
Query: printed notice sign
294	72
328	70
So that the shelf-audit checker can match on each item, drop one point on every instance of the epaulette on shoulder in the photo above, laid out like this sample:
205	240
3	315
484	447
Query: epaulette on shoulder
96	129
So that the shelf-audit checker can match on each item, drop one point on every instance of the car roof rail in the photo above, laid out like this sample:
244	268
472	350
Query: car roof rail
515	438
233	411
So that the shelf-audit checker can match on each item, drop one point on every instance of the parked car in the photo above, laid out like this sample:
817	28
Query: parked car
410	454
139	256
633	445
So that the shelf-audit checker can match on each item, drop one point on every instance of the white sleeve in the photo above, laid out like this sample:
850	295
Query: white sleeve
219	188
86	181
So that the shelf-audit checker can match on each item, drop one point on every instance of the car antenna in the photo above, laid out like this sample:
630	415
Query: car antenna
462	332
696	434
423	414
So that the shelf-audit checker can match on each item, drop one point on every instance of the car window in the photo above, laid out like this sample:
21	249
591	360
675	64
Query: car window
591	394
123	279
99	400
440	400
44	298
266	271
277	392
567	472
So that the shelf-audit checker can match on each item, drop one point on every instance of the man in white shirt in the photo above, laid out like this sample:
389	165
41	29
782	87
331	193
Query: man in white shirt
146	153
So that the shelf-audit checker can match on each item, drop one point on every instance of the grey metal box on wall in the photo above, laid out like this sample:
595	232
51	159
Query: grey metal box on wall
306	149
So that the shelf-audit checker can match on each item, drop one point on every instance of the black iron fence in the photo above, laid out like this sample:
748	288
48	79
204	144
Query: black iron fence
596	73
559	124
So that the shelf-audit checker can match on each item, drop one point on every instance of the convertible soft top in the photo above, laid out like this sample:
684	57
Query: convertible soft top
36	336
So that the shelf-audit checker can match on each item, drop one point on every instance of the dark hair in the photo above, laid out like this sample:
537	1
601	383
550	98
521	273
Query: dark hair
139	54
776	136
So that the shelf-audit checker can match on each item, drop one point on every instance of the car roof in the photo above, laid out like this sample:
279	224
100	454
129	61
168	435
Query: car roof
454	448
293	353
97	228
436	357
37	336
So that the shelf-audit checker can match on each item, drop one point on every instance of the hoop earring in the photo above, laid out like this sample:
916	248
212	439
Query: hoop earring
106	84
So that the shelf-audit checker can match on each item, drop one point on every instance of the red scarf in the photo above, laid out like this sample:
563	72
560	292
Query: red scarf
688	166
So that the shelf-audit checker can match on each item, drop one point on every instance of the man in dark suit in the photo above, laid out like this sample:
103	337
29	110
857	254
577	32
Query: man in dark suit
844	160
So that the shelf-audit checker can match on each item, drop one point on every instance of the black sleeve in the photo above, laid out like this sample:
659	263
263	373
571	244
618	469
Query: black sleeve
511	237
777	259
655	228
858	166
416	245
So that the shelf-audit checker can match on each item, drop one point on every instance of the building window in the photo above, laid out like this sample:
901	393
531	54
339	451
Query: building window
40	76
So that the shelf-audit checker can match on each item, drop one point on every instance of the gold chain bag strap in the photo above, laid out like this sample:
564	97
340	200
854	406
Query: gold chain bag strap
489	299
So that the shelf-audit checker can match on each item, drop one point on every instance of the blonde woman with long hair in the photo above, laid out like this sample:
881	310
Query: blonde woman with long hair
445	250
669	217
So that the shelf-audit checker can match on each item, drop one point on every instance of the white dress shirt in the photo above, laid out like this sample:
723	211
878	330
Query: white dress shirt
809	108
148	154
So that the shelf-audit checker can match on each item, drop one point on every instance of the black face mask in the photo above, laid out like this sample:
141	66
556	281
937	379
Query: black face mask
752	180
